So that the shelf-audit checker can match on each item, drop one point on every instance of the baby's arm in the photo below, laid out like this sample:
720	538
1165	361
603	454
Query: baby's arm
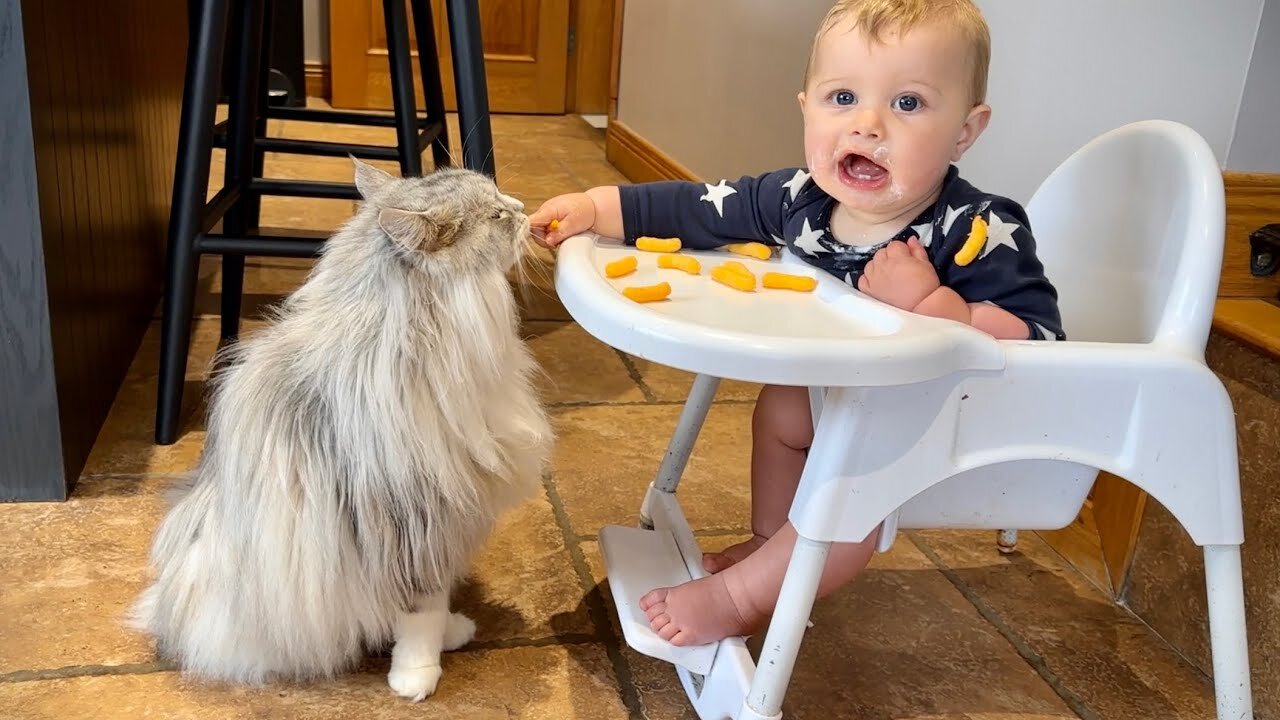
702	215
991	319
1002	288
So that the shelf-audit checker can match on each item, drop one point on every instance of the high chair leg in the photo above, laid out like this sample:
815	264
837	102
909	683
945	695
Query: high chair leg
786	630
680	446
1227	635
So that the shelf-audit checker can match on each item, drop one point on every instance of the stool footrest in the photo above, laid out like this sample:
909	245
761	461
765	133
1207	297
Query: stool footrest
299	146
340	117
306	188
268	242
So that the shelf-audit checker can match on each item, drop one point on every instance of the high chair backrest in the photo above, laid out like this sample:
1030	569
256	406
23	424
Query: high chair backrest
1130	229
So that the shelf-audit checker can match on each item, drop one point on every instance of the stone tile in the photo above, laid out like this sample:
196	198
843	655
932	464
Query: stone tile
577	368
126	444
523	585
900	642
1113	662
71	572
607	456
671	385
541	683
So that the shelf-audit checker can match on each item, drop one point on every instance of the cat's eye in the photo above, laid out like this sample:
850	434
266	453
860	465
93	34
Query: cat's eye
497	214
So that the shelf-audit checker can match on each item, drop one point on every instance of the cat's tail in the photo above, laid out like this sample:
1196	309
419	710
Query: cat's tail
194	608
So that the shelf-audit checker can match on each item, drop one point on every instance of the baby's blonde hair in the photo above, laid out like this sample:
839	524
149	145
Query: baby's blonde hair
873	18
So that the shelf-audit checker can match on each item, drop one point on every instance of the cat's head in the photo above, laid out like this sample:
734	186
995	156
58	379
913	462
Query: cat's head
452	220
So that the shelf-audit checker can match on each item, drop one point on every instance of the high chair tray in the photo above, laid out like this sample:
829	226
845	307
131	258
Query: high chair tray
832	336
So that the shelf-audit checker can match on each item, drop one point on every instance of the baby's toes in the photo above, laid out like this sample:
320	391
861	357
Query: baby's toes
653	597
668	630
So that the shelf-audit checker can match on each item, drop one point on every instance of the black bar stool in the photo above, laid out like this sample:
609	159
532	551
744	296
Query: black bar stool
244	135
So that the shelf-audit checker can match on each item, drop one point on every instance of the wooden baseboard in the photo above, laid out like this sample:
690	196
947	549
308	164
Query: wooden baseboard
318	83
1253	200
640	160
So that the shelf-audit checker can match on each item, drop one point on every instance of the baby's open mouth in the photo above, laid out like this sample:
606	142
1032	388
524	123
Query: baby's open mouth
861	172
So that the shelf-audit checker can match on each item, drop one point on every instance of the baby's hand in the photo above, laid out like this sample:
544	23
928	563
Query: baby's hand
900	274
572	214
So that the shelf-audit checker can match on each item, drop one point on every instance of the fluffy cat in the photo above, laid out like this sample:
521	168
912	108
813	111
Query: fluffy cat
360	449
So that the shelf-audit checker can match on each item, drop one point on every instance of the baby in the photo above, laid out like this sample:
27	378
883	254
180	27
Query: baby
893	95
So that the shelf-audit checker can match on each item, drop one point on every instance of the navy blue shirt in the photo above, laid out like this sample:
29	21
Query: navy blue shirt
787	208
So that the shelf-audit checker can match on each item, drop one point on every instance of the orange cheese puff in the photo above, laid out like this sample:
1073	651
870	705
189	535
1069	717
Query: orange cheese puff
785	281
751	249
621	266
739	280
680	262
648	293
737	267
662	245
555	225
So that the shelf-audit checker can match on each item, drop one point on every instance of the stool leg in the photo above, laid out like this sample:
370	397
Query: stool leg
401	65
190	186
469	81
247	44
424	28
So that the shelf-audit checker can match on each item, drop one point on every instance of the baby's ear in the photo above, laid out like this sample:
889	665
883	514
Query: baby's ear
418	231
368	178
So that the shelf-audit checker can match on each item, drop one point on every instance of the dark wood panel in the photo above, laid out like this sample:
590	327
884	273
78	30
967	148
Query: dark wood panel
30	440
106	88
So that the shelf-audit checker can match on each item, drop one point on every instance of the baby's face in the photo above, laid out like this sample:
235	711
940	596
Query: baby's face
882	121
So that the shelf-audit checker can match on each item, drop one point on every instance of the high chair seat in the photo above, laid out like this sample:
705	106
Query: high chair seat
924	423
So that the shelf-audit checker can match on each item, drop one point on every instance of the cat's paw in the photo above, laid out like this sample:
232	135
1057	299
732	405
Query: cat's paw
458	631
414	683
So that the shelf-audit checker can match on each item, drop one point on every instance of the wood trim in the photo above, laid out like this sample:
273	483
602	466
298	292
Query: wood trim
318	81
1253	200
640	160
1253	321
1118	506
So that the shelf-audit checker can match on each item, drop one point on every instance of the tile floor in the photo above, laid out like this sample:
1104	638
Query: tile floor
940	627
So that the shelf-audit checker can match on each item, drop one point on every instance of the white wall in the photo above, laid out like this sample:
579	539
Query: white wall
315	31
1062	72
713	83
1067	70
1256	147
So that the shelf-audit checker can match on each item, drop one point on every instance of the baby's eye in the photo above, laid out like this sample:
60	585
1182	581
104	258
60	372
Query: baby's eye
907	103
843	97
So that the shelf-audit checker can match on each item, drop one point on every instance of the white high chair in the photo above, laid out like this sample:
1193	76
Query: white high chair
925	423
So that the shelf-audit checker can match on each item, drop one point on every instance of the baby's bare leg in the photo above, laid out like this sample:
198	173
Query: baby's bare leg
739	600
781	433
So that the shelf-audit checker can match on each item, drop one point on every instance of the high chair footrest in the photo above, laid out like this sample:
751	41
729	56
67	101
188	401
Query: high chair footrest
638	561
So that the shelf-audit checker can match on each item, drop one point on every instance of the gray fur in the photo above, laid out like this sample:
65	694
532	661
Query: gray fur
360	447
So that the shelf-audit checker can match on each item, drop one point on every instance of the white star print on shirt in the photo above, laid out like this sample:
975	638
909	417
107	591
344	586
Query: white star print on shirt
797	181
999	232
807	240
952	214
925	233
716	195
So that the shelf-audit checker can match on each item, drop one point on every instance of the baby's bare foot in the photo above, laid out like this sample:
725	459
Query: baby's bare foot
732	555
700	611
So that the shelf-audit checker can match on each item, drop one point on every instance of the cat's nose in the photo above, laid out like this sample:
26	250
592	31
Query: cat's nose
519	206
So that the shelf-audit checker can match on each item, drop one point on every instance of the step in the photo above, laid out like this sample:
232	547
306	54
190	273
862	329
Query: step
638	561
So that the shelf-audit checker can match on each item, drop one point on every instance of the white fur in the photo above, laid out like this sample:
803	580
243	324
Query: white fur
360	449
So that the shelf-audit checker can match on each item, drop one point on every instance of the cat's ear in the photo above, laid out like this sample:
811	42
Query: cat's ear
368	178
417	231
